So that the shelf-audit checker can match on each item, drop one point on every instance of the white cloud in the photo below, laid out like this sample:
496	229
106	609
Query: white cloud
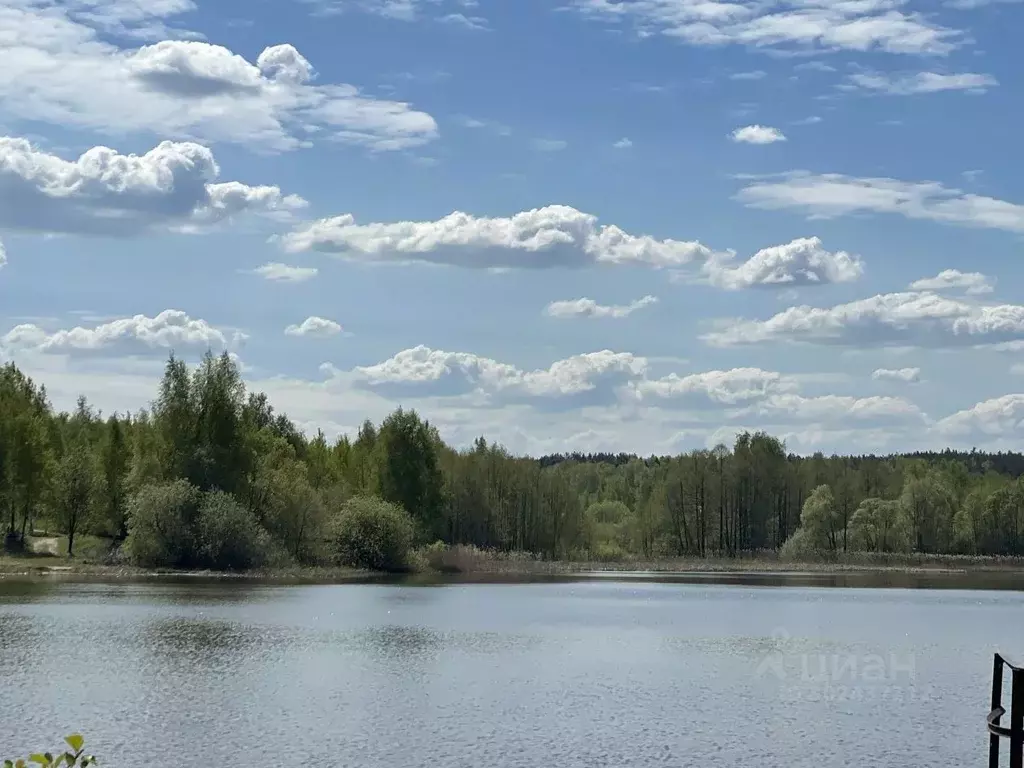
396	10
623	143
912	319
57	67
904	375
457	373
103	192
3	255
590	308
757	134
921	82
555	236
829	195
802	25
314	327
814	66
561	236
800	262
969	5
285	273
549	145
998	417
171	329
477	124
971	283
757	74
728	388
476	23
834	409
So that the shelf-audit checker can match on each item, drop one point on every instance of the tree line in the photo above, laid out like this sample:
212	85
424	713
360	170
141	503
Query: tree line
211	476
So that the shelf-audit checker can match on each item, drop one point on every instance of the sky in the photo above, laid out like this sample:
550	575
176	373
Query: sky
595	225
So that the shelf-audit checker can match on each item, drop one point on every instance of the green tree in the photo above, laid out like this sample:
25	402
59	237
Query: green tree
114	461
880	525
74	489
408	471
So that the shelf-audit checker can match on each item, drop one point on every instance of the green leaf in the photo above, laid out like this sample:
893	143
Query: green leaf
8	764
37	758
75	741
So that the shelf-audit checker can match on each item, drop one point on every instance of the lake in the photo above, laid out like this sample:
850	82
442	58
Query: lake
562	674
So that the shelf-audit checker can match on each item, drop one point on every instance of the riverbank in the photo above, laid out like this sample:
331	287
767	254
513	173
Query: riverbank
471	563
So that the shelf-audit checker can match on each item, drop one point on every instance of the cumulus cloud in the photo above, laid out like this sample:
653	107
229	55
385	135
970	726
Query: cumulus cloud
315	327
919	319
171	329
63	70
103	192
583	379
621	381
733	387
561	236
285	273
555	236
590	308
623	143
971	283
801	262
3	255
998	417
757	134
920	82
828	25
830	195
902	375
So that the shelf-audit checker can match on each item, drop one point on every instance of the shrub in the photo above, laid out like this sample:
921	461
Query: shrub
74	757
608	552
460	558
373	534
160	519
228	536
799	546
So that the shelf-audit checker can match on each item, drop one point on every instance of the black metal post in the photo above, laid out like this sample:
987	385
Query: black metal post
1017	720
997	702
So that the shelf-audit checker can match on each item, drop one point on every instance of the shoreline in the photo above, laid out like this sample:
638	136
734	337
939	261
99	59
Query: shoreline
499	569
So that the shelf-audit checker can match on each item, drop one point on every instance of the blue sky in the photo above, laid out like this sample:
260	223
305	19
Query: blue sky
639	225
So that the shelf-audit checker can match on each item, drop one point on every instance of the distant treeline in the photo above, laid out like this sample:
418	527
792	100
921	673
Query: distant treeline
977	462
211	476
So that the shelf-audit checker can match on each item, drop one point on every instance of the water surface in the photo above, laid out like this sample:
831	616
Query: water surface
562	674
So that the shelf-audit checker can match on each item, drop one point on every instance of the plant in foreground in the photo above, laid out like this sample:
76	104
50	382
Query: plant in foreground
75	757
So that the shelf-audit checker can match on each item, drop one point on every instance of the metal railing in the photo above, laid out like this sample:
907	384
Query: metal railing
1015	733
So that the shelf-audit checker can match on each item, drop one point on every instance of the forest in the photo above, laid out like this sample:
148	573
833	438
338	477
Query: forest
210	476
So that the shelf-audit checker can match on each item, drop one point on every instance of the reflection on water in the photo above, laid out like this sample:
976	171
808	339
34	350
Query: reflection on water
565	672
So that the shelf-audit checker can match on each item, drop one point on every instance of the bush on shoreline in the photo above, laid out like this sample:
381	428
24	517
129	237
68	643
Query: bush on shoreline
372	534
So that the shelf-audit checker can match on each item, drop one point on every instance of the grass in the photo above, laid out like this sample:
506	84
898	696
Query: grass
92	559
